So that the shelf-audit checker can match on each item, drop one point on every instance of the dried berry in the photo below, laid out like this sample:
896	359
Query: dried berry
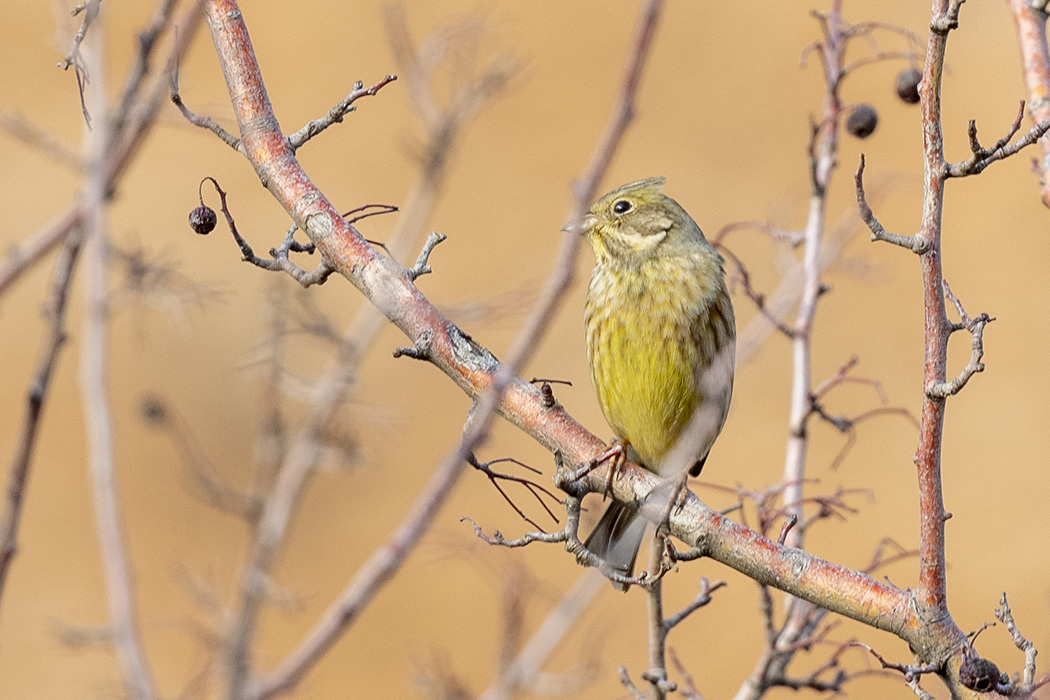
862	121
980	674
908	85
203	220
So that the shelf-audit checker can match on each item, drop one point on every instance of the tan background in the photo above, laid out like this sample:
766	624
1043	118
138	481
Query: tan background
724	115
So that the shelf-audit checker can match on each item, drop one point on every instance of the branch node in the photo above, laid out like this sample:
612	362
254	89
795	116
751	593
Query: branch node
422	266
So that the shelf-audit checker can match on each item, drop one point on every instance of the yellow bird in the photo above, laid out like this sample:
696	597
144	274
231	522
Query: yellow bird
660	341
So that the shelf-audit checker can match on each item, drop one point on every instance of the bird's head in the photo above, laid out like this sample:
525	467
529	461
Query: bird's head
637	222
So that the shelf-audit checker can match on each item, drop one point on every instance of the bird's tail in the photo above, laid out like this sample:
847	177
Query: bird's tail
616	539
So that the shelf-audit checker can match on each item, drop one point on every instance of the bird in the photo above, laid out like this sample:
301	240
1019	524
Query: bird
661	340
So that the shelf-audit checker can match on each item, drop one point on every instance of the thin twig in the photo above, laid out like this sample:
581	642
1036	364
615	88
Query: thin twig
913	243
982	157
336	114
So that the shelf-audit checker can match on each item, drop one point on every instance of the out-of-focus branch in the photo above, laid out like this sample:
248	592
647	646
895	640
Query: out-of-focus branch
299	461
36	138
519	675
801	619
1030	20
369	580
120	588
28	253
442	123
18	475
123	145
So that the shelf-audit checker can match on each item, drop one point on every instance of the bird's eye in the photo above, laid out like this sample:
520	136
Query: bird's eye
622	206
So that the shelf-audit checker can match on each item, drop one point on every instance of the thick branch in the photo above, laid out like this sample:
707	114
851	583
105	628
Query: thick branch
388	286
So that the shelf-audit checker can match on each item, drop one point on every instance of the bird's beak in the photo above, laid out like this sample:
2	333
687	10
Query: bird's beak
582	226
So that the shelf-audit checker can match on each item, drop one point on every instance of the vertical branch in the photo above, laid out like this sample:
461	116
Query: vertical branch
823	154
1035	60
120	586
823	157
657	673
931	590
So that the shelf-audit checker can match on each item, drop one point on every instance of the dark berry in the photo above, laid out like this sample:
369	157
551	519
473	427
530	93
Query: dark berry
908	85
202	220
862	121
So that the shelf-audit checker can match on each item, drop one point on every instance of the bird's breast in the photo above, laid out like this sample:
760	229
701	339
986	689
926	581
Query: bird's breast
643	356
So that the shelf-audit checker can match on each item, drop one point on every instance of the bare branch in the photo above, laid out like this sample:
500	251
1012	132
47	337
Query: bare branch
422	266
1006	616
913	243
702	598
625	679
203	122
336	114
941	390
982	157
22	456
44	142
368	580
532	487
910	671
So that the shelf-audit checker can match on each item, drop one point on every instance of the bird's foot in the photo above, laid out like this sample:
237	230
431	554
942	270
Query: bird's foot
617	452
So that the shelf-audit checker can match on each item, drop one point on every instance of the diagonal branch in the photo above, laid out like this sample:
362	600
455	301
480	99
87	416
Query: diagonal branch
37	395
391	289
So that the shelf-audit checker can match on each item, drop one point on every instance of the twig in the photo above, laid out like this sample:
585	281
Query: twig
1006	616
206	123
913	243
368	580
688	686
741	272
520	672
147	43
300	458
27	254
911	671
537	490
789	523
120	592
123	146
422	266
44	142
90	10
625	679
702	598
497	538
941	390
656	674
279	260
336	114
982	157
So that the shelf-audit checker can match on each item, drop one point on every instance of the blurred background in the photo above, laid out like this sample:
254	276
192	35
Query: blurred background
724	112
